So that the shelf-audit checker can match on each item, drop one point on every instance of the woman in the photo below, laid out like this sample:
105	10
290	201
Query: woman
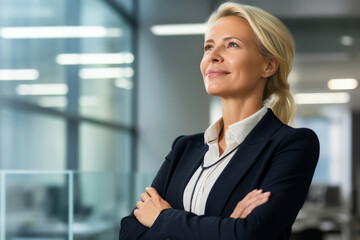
248	175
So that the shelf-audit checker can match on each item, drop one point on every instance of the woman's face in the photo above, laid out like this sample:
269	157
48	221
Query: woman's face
232	65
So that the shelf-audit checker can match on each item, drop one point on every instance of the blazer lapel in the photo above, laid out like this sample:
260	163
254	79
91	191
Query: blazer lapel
241	162
189	162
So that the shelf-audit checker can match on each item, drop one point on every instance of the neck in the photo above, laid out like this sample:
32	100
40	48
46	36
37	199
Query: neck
234	110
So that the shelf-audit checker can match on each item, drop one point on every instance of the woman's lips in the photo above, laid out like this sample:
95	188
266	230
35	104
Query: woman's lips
216	73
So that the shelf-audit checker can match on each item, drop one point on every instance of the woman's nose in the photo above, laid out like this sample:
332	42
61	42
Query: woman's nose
215	56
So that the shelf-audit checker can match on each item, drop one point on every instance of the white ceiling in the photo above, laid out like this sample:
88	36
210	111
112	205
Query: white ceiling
317	26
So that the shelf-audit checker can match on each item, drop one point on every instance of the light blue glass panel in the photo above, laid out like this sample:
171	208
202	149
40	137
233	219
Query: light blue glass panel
321	126
107	98
31	140
35	205
61	205
104	149
128	5
37	55
106	88
107	150
99	205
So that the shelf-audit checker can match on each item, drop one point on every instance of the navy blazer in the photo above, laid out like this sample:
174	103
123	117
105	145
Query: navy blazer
273	157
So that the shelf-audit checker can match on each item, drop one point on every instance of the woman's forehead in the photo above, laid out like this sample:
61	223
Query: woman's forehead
230	26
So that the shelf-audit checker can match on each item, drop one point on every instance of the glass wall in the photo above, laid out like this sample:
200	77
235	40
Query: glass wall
66	108
31	140
60	205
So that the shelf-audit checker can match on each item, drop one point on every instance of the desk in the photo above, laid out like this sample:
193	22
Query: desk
325	219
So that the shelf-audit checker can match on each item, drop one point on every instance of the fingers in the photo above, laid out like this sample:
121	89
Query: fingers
139	204
149	193
252	200
262	199
144	196
152	192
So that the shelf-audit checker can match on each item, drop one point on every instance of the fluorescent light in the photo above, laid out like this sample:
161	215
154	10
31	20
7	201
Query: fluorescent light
124	83
322	98
59	32
342	84
347	40
179	29
101	73
94	58
18	74
42	89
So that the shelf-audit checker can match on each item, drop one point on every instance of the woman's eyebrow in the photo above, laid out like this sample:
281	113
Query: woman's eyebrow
226	39
229	38
209	40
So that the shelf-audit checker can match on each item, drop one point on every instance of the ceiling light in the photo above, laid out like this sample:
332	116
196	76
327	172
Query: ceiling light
101	73
124	83
179	29
42	89
18	74
95	58
347	40
59	32
321	98
342	84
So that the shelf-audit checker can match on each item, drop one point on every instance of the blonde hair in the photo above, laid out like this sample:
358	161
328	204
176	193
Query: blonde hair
274	40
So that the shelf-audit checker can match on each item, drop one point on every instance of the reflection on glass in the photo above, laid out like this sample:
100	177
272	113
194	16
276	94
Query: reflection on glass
327	208
25	58
36	204
105	61
61	204
128	5
36	59
31	141
103	149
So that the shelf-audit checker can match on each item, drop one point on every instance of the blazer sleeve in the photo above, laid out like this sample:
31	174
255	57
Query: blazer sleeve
131	228
288	179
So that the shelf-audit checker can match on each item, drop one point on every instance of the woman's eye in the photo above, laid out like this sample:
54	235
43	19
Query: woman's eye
207	47
232	44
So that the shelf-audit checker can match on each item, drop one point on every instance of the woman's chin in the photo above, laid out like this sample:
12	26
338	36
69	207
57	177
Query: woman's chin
213	92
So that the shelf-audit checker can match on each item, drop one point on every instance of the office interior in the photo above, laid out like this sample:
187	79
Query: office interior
92	96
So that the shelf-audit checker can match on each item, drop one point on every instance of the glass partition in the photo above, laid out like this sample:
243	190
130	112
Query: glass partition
61	205
106	77
31	140
68	54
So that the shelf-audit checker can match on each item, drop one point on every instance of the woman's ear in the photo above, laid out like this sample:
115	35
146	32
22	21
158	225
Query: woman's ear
271	67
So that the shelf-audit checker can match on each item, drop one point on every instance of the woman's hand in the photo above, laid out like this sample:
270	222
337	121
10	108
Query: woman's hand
252	200
150	207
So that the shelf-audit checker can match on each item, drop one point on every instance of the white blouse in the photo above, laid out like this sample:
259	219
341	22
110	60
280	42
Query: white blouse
234	136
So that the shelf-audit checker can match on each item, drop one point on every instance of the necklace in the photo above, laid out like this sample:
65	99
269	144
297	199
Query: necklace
205	168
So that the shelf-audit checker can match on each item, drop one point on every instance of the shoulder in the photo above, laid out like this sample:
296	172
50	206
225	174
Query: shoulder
299	138
289	132
183	140
180	144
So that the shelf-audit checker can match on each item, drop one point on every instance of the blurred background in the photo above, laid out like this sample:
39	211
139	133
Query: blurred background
93	92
